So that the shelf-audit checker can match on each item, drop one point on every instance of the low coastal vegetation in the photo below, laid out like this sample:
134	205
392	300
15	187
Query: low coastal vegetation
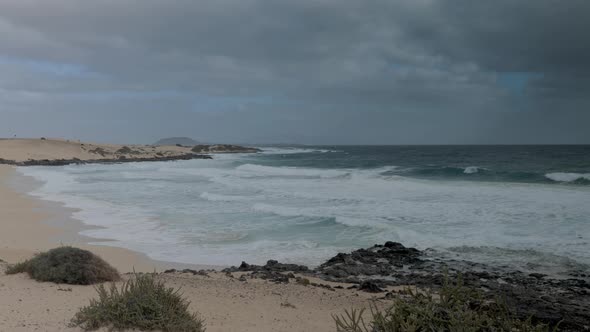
127	150
452	308
223	148
142	303
67	265
479	301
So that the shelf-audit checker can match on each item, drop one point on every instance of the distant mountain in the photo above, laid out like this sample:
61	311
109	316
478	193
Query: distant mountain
184	141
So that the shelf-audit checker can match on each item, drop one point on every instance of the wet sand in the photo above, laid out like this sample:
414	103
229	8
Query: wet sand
29	225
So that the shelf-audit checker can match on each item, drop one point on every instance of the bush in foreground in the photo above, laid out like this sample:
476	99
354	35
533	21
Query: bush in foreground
67	265
453	308
142	303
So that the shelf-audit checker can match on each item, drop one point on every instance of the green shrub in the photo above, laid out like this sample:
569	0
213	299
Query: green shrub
200	148
20	267
67	265
453	308
142	303
124	150
303	281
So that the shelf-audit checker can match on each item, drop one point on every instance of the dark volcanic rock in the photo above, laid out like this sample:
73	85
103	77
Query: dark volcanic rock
271	265
370	287
271	271
533	295
380	260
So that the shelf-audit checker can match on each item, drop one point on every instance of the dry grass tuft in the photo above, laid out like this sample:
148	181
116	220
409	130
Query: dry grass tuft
141	303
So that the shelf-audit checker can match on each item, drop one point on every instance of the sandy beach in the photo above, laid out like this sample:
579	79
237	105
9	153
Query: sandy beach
225	302
25	233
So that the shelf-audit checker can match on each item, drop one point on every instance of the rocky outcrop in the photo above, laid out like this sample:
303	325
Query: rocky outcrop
531	295
534	295
270	266
380	260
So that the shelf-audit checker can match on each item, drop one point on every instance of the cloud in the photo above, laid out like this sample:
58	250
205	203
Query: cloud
297	62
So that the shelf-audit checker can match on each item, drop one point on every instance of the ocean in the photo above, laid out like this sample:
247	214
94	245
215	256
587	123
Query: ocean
523	207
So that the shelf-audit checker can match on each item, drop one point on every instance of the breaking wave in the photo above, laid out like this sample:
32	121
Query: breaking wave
487	174
471	170
308	208
569	177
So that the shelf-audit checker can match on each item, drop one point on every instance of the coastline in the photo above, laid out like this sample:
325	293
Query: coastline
227	301
59	152
31	225
44	224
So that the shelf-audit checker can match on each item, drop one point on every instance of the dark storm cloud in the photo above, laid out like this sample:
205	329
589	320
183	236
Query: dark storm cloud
248	67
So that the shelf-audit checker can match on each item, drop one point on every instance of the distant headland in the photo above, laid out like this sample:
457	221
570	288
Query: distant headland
57	152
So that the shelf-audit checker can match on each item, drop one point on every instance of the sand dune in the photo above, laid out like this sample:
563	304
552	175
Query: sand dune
58	151
21	150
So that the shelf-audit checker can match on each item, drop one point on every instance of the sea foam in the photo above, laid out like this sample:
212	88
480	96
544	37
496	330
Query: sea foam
234	208
567	177
471	170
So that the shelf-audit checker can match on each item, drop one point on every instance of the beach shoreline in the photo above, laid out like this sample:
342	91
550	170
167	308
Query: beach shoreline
227	301
53	222
272	293
31	225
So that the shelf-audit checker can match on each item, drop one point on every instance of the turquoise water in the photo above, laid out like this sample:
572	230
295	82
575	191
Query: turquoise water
521	206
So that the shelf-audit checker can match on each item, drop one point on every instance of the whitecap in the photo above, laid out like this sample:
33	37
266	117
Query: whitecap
183	220
271	150
567	177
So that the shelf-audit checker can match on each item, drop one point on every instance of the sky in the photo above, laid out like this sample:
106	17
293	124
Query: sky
298	71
